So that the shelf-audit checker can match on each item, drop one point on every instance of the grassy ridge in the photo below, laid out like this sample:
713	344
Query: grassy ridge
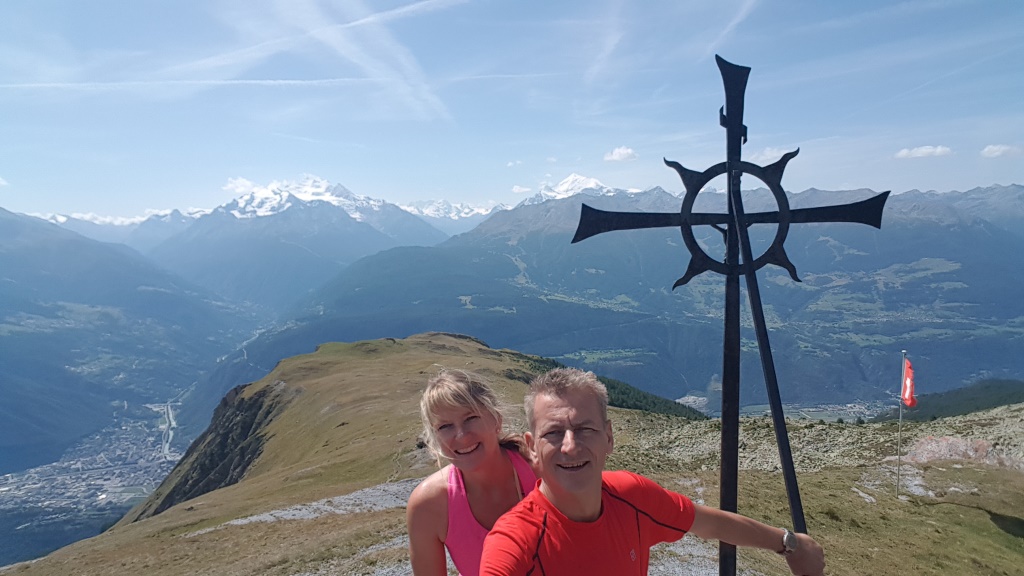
981	395
348	420
620	394
623	395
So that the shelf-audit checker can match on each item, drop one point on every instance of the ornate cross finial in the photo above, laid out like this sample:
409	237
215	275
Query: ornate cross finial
739	261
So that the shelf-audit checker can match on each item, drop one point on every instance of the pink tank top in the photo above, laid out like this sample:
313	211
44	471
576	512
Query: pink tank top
465	539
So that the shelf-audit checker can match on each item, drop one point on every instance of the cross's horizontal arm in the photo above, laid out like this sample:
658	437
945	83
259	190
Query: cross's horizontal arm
594	221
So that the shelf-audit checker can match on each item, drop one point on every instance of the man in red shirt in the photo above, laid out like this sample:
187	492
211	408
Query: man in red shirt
583	520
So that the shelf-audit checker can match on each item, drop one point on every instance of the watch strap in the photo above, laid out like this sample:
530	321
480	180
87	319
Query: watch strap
788	543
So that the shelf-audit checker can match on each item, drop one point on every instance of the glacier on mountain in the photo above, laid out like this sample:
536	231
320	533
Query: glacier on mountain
443	209
572	185
279	195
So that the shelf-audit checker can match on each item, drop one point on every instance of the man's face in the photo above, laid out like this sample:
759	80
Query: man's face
571	441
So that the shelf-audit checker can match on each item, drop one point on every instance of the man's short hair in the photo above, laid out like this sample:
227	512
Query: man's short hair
561	381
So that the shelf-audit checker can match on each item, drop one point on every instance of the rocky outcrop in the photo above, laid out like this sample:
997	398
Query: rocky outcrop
994	437
221	456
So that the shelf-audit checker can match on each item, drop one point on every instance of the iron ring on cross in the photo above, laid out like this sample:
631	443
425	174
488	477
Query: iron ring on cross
774	254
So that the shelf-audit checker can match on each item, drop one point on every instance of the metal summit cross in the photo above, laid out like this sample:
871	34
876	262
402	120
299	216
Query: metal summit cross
738	261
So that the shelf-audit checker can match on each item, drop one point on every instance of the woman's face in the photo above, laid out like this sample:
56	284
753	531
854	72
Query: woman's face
466	436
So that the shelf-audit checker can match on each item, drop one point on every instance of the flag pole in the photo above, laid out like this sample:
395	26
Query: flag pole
899	429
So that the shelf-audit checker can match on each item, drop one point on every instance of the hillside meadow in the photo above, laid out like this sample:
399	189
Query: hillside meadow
338	452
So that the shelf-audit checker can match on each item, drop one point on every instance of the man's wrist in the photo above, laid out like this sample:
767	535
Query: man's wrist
788	544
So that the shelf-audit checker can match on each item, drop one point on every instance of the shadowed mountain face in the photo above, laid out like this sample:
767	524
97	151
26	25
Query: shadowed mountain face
939	279
274	261
271	246
84	325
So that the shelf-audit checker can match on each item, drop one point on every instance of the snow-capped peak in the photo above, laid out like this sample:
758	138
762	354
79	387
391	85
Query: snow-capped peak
93	219
255	201
122	221
574	184
447	210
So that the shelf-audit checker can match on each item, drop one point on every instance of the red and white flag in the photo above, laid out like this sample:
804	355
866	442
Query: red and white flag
908	385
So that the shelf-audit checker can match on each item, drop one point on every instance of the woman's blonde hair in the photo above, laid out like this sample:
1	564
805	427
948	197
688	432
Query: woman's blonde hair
459	388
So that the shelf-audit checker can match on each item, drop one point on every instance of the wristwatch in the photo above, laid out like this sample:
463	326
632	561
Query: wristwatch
788	542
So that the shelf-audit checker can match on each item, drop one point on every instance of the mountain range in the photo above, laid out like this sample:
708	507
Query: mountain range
276	198
311	262
87	326
101	312
267	248
939	279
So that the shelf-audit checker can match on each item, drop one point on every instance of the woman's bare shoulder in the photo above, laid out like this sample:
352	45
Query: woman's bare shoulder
426	518
432	492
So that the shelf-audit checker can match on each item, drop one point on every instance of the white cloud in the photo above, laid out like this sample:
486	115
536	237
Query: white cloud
620	154
108	220
413	9
520	190
512	163
552	159
745	10
140	84
3	182
997	150
767	155
239	186
610	40
348	31
924	151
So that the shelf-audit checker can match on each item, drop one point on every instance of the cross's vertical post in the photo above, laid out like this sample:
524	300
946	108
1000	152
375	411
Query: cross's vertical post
731	118
735	80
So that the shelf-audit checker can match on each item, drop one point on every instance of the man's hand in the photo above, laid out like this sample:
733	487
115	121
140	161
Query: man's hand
808	559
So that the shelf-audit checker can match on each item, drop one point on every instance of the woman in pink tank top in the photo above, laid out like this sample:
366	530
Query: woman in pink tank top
456	506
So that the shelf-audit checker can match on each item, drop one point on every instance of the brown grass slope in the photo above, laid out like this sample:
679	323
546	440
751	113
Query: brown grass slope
328	426
343	418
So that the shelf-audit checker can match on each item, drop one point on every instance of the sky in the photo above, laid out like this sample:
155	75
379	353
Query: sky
117	108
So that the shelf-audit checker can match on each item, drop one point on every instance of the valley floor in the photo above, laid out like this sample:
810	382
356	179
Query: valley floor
86	491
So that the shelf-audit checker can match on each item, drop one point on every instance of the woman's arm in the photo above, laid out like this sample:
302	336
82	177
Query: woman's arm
426	518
